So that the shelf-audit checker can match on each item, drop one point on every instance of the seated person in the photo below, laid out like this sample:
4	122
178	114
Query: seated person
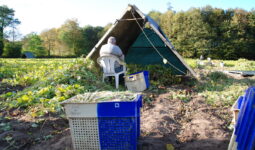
111	49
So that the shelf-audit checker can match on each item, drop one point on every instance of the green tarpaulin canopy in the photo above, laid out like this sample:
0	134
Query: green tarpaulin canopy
141	52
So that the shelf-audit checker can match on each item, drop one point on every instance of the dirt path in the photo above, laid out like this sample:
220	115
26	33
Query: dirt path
192	125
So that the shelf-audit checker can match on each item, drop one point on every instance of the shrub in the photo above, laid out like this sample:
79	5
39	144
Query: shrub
12	50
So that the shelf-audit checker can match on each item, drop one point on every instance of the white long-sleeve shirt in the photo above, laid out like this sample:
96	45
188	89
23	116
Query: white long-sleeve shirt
111	49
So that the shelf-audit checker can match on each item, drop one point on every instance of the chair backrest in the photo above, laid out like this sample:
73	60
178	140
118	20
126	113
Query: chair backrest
107	63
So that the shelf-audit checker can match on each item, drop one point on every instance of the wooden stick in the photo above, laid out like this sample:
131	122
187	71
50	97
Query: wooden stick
130	19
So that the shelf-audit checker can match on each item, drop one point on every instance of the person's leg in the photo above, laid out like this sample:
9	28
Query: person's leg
121	79
110	79
118	69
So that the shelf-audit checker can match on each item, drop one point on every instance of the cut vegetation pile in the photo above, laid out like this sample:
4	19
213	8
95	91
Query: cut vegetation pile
103	96
178	112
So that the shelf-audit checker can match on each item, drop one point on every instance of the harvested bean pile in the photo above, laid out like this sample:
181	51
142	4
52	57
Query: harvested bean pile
102	96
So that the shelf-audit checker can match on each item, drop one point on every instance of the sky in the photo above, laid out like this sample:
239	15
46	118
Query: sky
38	15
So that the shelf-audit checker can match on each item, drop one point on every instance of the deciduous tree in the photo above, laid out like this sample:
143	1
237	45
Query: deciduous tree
6	19
70	33
50	39
33	43
91	36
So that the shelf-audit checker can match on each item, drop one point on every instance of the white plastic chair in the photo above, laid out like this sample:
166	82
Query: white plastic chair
107	63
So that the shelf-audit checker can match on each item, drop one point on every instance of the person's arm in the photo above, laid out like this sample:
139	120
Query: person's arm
102	50
119	53
122	57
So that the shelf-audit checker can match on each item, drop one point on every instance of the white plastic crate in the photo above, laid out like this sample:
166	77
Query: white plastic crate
84	132
235	112
137	82
83	124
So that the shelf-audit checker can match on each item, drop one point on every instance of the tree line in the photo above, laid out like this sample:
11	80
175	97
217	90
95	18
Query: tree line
211	32
69	40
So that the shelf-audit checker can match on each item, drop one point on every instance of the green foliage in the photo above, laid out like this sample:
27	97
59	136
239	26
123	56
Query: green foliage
219	89
192	62
33	43
70	39
181	95
50	40
45	88
212	32
70	33
244	64
91	36
217	76
12	50
240	64
6	19
223	91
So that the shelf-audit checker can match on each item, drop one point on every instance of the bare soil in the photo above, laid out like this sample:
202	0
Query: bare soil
4	88
22	132
192	125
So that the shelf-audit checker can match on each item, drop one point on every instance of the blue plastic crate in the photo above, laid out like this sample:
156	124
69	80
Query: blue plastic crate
245	127
119	124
